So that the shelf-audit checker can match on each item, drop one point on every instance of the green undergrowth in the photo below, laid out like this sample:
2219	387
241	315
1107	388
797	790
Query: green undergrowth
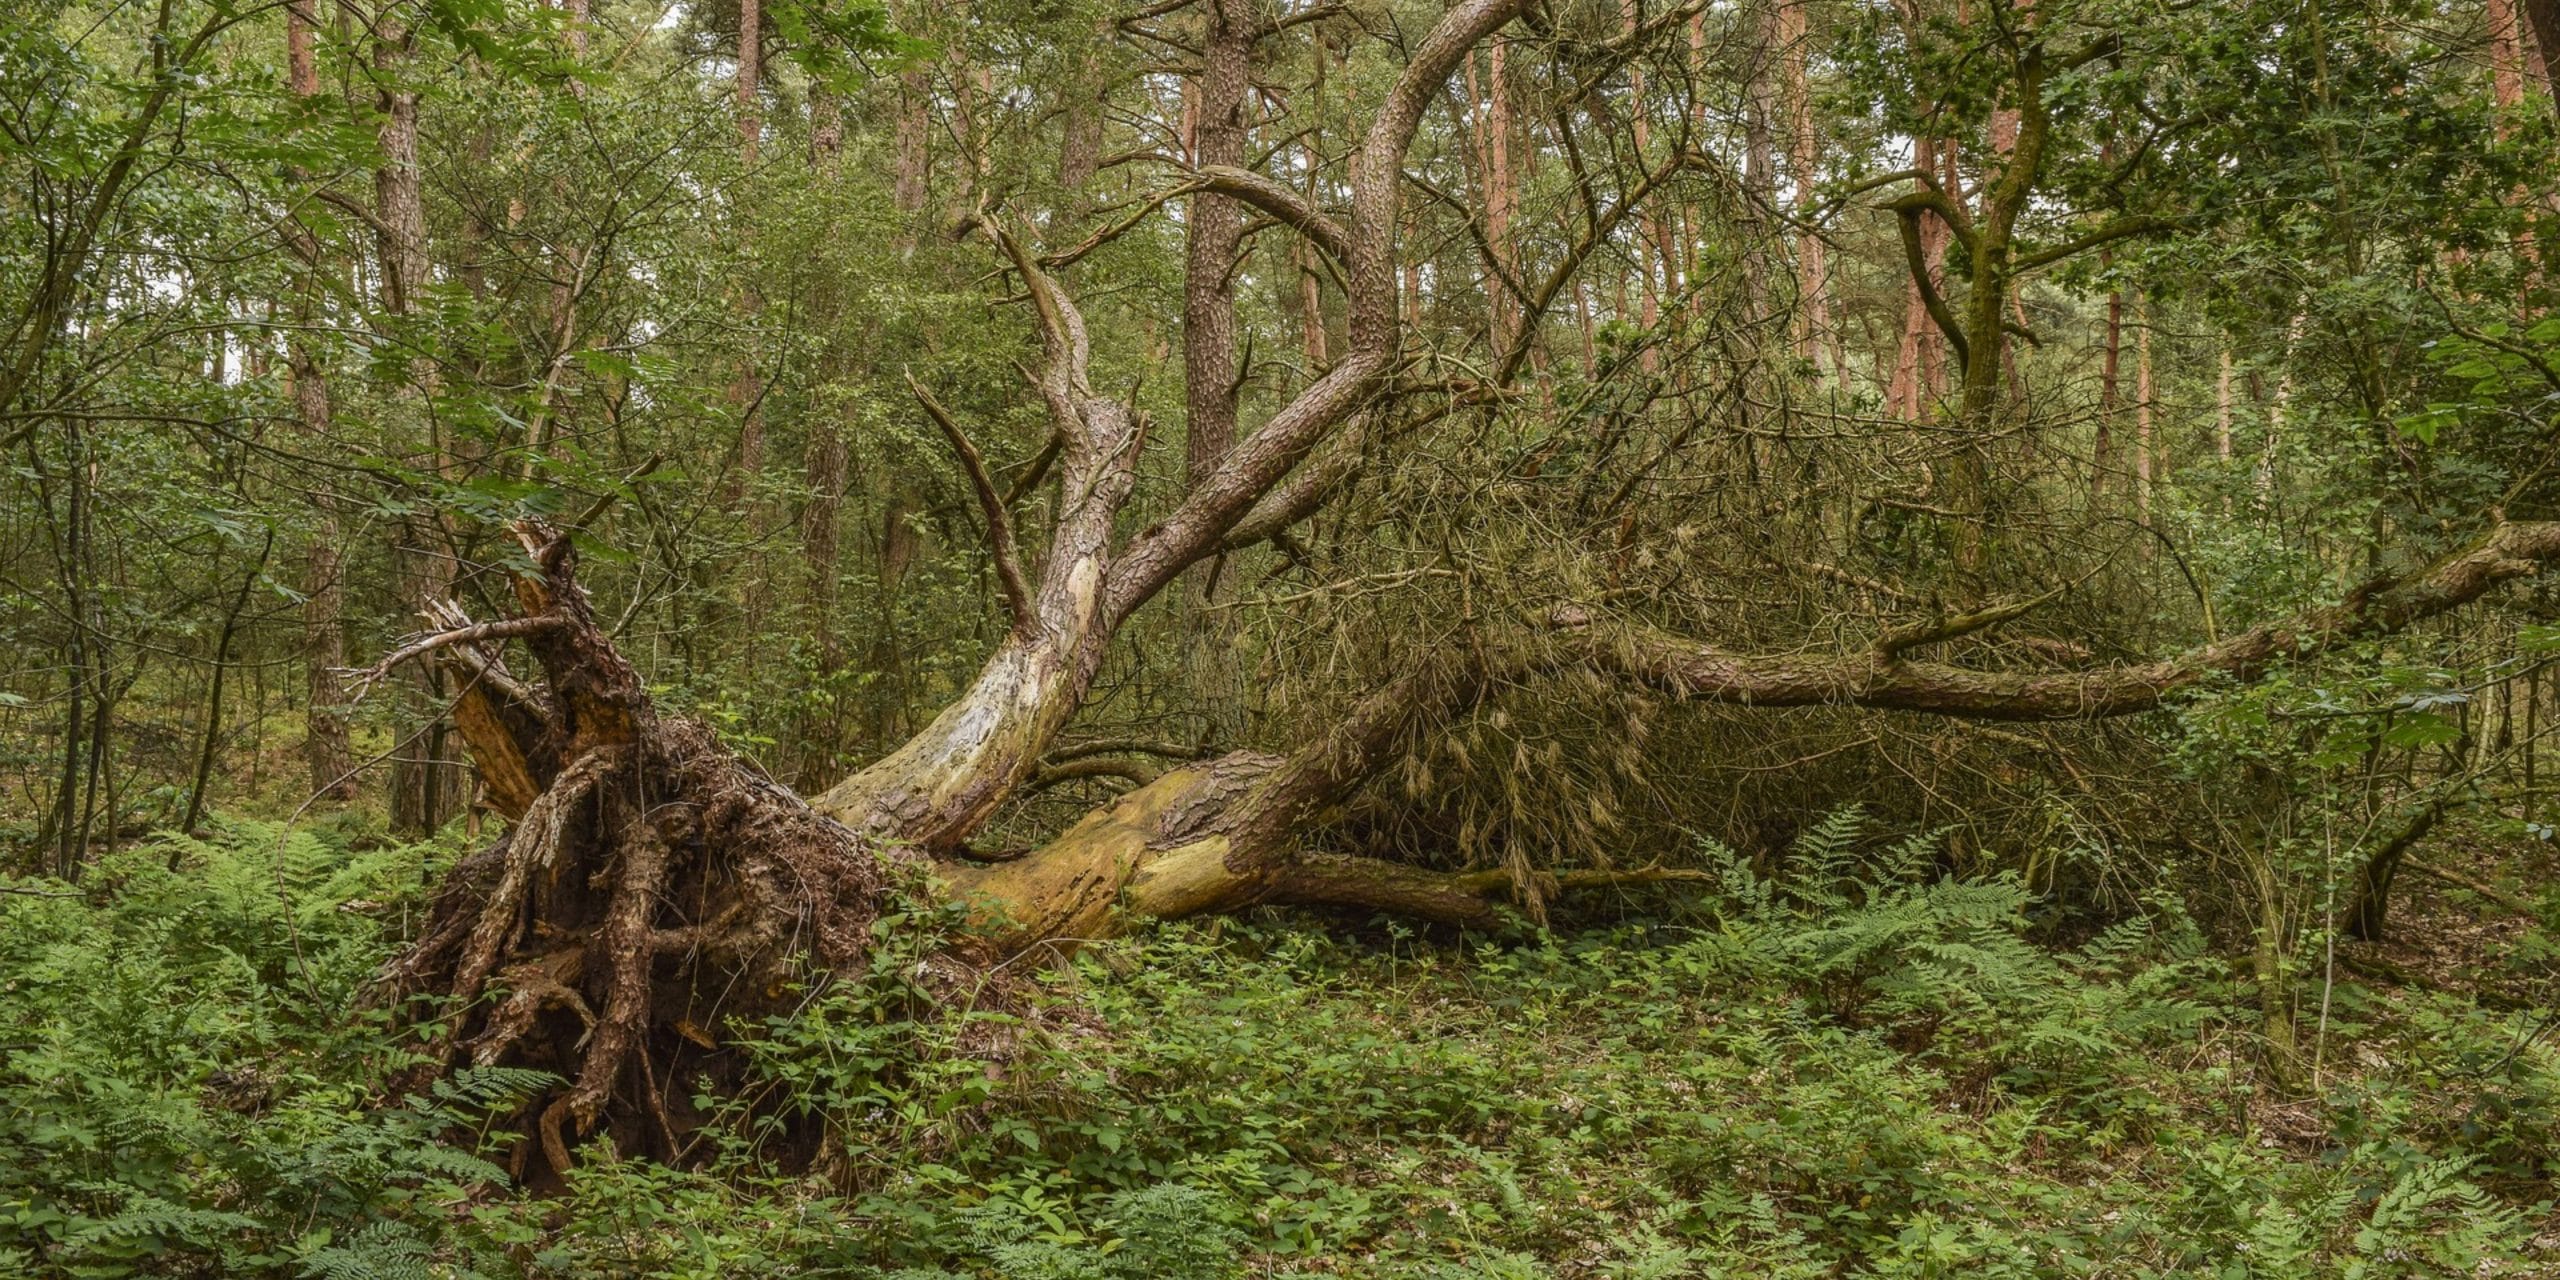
1856	1067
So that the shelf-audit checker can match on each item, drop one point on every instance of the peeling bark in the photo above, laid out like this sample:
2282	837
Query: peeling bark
946	781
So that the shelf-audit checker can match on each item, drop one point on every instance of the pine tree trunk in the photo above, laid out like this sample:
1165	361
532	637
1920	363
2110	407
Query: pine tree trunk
326	746
2543	18
2222	402
2145	457
1213	233
746	390
427	781
1804	160
2110	395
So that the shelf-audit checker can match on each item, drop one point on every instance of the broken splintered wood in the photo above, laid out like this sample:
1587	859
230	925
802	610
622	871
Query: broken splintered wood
363	679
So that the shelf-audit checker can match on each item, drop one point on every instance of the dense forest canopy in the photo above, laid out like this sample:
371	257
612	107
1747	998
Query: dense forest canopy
749	492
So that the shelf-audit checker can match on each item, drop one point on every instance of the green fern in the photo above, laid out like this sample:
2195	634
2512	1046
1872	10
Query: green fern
149	1220
383	1250
2406	1221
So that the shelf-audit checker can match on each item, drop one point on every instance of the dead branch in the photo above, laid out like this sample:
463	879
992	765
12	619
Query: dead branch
1891	645
1000	543
1688	669
363	679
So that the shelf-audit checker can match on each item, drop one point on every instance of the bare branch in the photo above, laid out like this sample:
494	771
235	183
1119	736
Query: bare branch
1893	643
1284	205
1688	669
1000	543
1598	227
1111	231
1062	376
363	680
1036	471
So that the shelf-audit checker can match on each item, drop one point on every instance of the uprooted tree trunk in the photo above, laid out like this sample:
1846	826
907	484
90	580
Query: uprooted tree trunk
651	884
654	888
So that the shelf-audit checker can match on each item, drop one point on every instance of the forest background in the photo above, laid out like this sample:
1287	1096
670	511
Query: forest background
1883	629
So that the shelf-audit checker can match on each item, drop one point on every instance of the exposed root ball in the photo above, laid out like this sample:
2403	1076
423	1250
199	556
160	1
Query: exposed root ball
655	890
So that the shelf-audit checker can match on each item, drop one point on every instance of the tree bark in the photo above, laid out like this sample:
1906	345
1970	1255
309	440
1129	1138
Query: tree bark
1080	130
2222	401
2544	18
746	390
1652	261
2507	59
2146	462
1213	228
825	457
1493	164
750	81
946	781
426	783
326	747
1213	232
2110	395
1804	160
399	196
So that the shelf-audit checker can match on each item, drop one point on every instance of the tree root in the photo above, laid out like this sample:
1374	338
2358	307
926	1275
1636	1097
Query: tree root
653	885
650	892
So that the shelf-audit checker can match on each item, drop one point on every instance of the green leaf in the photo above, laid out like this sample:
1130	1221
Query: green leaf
2420	729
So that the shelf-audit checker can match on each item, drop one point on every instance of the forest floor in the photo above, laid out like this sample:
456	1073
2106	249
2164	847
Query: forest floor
1892	1074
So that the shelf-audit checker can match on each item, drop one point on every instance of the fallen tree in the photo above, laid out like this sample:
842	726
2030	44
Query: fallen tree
654	886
